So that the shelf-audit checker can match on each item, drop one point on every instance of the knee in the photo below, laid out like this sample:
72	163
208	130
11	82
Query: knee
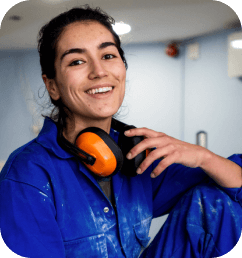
210	194
213	206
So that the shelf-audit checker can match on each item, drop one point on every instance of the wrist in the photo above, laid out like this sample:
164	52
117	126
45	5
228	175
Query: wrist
208	159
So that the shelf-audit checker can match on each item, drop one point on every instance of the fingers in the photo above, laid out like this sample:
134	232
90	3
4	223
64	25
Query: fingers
142	132
167	149
163	164
167	155
153	155
148	143
171	151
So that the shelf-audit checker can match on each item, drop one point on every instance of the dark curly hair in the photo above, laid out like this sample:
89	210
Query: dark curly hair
51	32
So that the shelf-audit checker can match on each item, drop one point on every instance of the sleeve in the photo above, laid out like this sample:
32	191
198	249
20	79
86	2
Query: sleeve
27	221
169	187
235	193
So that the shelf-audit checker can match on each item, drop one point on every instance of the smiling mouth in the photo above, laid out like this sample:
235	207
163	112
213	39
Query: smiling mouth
102	90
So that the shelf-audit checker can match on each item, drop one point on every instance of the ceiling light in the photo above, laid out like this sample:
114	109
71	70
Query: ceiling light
236	43
121	28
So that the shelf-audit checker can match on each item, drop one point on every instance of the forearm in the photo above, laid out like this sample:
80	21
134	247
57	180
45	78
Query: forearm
224	172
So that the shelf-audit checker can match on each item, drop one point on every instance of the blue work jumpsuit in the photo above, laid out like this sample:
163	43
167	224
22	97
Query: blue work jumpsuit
52	206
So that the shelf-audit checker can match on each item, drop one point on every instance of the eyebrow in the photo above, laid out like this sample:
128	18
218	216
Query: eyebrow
83	50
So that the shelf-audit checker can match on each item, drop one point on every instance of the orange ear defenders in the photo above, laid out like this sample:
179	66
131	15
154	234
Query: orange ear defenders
100	153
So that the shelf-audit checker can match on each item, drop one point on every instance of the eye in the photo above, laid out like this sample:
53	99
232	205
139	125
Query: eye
76	62
109	56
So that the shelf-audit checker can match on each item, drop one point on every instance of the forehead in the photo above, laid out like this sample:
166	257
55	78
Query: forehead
83	34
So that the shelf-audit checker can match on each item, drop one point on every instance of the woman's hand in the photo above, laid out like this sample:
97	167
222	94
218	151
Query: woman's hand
169	149
223	171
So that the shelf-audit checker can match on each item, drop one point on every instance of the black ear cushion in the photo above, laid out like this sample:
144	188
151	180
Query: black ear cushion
126	144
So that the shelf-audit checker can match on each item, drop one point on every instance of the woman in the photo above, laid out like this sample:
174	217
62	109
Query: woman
52	205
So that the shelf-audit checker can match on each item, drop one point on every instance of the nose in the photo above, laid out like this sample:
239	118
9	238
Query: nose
97	70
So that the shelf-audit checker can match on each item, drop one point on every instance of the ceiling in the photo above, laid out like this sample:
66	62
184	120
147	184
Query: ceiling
151	20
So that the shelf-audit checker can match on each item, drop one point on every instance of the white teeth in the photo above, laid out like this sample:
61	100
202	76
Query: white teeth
99	90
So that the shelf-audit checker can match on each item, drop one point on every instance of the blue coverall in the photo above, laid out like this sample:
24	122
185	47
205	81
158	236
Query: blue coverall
52	206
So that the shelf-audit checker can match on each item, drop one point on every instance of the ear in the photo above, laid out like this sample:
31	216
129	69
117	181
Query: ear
51	87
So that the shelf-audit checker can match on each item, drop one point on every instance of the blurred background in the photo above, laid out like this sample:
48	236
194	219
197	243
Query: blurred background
184	76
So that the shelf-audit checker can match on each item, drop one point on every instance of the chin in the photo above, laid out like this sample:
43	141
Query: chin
107	113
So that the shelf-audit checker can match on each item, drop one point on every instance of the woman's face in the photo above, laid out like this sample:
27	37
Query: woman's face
90	74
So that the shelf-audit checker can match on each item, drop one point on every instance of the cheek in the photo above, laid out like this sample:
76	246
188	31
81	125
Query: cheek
123	81
122	91
121	74
70	83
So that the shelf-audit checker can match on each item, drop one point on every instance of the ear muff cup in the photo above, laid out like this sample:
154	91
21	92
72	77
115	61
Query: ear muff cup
126	144
97	143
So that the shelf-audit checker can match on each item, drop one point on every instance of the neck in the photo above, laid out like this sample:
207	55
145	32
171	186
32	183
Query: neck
74	127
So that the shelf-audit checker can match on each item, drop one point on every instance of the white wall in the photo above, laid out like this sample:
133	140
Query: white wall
19	73
213	99
154	89
181	97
